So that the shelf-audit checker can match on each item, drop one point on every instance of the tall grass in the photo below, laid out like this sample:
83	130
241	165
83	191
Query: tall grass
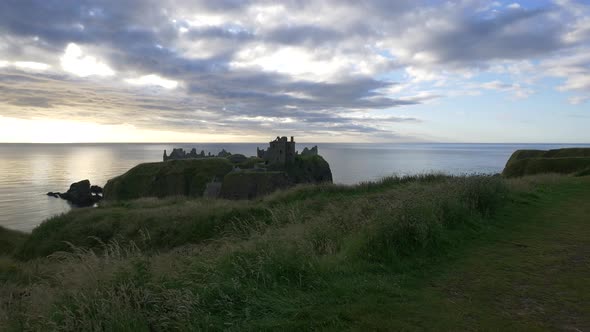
9	240
211	265
176	221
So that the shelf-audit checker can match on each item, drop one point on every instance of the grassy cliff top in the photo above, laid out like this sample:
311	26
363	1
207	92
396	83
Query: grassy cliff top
554	153
564	161
174	177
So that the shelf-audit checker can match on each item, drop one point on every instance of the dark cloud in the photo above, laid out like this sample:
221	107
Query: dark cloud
305	34
516	34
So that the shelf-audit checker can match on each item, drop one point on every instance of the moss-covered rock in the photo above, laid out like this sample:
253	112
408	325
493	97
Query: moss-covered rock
187	177
563	161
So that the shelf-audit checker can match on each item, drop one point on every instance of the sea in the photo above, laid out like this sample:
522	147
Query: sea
29	171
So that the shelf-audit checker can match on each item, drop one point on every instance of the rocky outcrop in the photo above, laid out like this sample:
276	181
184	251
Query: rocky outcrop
96	190
80	194
307	169
310	152
187	177
232	176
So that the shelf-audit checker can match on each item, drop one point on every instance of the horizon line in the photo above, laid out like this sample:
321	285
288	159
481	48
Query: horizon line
305	142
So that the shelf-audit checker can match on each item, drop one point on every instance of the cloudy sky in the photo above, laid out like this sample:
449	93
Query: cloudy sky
324	70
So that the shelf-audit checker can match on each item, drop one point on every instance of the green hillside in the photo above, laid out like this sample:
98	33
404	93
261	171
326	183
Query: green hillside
563	161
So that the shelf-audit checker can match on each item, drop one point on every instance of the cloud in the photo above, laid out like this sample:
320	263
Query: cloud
153	80
302	65
30	65
75	62
573	68
514	6
516	89
578	100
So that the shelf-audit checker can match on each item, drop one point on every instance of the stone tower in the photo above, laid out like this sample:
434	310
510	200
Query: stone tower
280	151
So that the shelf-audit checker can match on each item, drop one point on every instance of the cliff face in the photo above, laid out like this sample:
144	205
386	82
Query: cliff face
309	169
172	178
191	177
252	184
563	161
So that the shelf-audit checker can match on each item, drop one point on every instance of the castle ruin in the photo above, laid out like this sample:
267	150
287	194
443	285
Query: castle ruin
280	151
179	153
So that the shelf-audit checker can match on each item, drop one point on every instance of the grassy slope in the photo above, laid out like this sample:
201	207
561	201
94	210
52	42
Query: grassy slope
564	161
529	272
555	153
9	240
531	166
370	257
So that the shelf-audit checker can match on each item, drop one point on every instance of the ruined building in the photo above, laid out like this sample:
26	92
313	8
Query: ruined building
179	153
280	151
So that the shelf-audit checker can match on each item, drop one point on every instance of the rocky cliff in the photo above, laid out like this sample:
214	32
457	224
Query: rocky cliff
307	169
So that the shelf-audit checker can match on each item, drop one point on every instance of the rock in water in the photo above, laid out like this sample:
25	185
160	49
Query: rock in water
96	189
80	194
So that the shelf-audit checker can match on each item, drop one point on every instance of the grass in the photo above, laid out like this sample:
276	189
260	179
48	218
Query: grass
527	272
555	153
564	161
533	166
430	252
9	240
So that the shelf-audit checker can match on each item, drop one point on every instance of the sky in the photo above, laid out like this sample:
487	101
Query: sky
322	71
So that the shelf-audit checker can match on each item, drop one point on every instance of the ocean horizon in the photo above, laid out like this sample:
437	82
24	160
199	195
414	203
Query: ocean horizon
30	170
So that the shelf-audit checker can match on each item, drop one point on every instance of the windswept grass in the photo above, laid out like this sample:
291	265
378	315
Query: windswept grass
177	221
293	260
9	240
